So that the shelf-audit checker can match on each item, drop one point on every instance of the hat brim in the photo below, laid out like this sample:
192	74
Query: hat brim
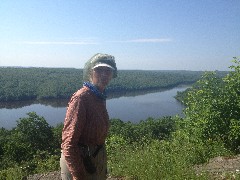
103	65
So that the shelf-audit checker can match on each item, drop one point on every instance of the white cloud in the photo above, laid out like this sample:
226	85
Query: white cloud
150	40
57	42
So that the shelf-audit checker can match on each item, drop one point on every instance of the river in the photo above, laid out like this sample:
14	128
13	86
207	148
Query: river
127	108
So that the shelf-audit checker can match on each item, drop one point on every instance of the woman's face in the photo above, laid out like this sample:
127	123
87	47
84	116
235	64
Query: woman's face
101	76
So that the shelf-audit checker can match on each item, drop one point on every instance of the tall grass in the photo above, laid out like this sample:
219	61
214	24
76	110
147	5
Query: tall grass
153	160
12	173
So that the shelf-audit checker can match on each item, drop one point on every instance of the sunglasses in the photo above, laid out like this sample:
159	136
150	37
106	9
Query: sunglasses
103	70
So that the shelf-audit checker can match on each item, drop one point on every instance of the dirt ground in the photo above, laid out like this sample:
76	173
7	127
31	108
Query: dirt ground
218	168
221	167
57	176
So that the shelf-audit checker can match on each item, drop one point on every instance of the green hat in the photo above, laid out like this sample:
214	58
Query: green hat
99	60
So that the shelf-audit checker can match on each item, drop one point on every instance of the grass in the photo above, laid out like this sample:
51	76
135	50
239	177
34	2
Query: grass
166	159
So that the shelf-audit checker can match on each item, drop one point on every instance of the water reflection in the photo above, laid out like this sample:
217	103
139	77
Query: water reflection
54	103
63	102
118	94
47	102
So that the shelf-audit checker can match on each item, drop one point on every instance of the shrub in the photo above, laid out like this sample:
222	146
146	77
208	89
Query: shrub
213	108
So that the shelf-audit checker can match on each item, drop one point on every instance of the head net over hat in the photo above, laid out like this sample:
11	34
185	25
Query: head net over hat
98	59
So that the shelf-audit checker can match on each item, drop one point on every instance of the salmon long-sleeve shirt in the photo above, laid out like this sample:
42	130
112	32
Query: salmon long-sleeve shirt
86	122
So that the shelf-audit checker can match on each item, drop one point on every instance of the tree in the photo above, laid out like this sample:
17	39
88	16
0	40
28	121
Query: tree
35	131
31	135
213	107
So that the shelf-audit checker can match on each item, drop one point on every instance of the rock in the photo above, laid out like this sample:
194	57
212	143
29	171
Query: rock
219	167
48	176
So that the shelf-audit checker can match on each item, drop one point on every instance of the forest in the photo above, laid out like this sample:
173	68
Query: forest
168	147
58	83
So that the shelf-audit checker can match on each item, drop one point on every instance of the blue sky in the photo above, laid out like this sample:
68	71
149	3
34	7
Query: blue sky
141	34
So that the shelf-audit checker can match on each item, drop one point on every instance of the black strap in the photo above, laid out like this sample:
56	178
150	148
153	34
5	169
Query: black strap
99	147
97	150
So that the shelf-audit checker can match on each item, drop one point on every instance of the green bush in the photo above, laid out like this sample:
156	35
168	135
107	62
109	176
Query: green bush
213	107
149	129
12	173
32	147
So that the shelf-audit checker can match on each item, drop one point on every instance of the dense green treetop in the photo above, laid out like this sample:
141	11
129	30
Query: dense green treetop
45	83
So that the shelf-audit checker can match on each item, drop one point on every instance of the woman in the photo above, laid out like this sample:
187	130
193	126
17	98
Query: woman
86	124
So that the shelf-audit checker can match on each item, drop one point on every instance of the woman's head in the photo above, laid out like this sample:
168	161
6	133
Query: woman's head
98	63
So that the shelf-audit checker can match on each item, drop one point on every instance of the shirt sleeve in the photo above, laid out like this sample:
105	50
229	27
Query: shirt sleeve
73	126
